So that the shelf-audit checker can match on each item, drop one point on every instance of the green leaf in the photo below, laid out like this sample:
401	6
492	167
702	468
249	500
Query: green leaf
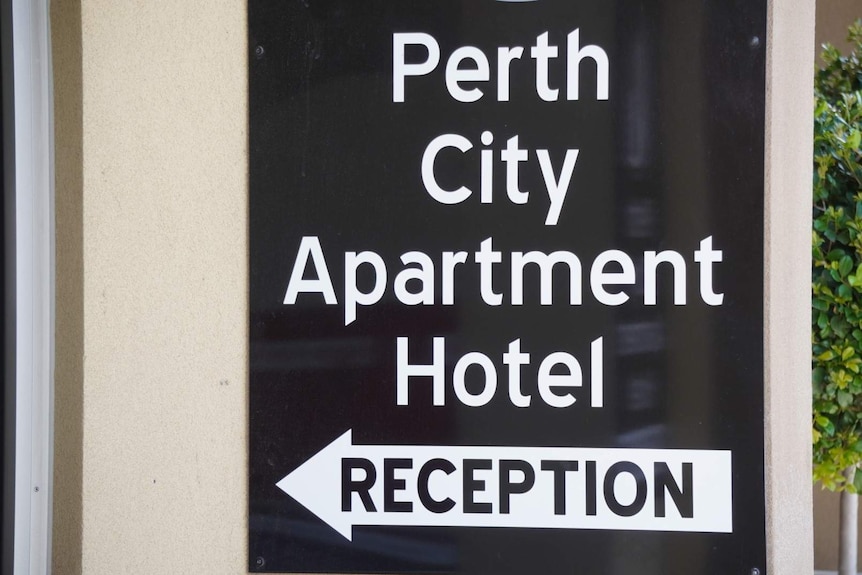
818	374
835	255
845	399
840	327
845	265
857	480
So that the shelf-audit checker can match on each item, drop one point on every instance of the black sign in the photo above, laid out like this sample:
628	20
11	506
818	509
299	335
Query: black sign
506	286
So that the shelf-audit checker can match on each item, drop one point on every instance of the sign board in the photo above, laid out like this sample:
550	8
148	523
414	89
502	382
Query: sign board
506	286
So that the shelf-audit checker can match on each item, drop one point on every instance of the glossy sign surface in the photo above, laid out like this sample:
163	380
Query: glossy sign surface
506	286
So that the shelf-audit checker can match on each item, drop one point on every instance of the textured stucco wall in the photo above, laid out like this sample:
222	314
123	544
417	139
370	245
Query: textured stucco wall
833	18
152	363
826	513
789	149
154	374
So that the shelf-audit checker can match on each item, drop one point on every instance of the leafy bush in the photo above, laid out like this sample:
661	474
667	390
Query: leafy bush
837	267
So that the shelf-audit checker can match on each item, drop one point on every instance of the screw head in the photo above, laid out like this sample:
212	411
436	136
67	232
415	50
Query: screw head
754	42
755	571
259	562
259	52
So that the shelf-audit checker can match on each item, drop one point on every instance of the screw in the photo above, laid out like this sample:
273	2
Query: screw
258	52
754	42
259	562
755	571
36	489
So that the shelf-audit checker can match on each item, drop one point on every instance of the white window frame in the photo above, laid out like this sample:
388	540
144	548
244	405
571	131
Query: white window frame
33	287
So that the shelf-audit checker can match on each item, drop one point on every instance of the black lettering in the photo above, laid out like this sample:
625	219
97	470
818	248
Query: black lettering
507	487
391	484
559	468
591	488
611	497
471	485
362	487
683	497
429	502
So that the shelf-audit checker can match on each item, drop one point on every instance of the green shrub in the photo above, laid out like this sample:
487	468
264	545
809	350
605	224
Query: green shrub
837	267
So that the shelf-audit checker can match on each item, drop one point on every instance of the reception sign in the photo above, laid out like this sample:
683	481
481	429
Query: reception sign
506	286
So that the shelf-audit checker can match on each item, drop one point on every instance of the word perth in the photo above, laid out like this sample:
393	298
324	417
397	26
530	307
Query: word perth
469	65
427	280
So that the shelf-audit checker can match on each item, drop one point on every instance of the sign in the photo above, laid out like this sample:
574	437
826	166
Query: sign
506	286
509	476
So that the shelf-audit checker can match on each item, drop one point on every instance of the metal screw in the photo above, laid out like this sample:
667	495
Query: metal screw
754	42
36	489
258	52
259	562
755	571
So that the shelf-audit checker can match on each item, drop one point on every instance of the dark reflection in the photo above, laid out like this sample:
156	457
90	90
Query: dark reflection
641	216
673	157
303	541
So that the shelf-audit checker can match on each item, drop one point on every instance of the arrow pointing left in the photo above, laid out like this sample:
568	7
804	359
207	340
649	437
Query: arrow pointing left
526	487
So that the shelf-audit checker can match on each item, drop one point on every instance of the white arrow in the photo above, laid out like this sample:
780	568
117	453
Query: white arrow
527	487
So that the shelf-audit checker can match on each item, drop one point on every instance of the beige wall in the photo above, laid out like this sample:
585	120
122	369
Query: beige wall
826	510
833	18
151	330
151	368
789	146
